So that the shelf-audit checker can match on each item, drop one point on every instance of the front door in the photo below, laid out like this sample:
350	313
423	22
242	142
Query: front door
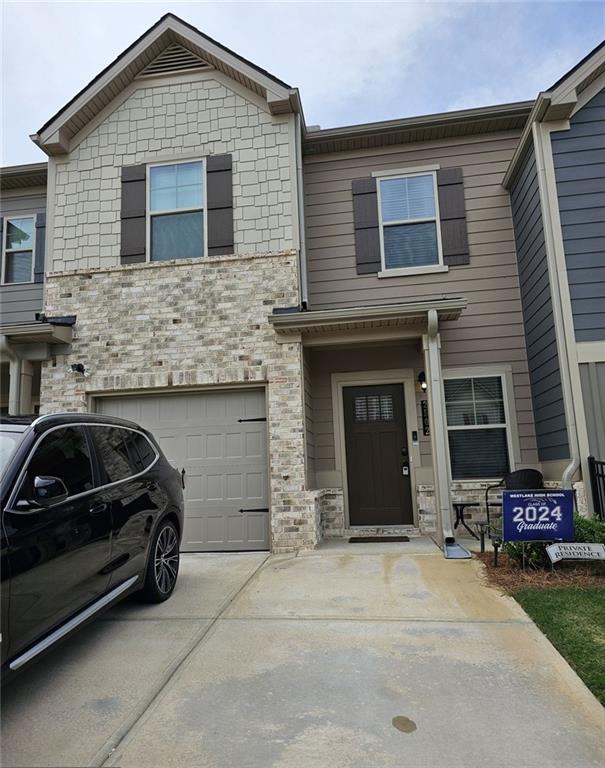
378	469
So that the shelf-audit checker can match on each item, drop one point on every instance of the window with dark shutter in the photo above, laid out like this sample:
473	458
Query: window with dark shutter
452	215
133	214
219	178
40	248
365	219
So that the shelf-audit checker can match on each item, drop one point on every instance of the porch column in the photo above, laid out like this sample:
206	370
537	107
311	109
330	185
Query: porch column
431	343
26	375
14	376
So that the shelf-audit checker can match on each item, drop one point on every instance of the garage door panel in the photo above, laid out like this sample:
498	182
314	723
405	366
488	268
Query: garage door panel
225	461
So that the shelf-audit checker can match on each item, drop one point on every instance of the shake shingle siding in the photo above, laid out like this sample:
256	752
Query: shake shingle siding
536	300
579	159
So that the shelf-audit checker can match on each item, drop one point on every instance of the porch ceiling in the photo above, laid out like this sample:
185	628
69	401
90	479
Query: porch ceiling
410	316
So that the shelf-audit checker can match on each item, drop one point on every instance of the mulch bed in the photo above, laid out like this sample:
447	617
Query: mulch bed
510	577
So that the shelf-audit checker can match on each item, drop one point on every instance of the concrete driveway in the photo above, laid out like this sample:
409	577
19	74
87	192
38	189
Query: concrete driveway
362	655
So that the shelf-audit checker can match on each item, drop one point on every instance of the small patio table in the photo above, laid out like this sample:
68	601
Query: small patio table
459	507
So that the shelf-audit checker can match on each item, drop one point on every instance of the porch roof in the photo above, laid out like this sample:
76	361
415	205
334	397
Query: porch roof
407	316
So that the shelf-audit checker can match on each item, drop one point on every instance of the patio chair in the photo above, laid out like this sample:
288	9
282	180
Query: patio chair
519	480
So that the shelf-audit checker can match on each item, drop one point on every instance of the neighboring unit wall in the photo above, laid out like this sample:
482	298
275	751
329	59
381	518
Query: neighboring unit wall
309	419
579	159
593	390
187	117
490	330
536	299
19	303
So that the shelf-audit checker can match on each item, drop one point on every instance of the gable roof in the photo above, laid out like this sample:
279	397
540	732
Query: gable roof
54	136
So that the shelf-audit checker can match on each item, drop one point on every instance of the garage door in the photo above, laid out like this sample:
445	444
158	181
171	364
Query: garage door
220	439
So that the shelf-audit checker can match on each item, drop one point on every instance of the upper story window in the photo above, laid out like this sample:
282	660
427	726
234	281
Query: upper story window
176	211
409	221
478	427
18	250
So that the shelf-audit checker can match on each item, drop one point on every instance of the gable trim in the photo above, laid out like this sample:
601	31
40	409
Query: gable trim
54	136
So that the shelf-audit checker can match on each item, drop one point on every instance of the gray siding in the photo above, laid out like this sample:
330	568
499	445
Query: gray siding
592	376
490	330
536	300
579	158
19	303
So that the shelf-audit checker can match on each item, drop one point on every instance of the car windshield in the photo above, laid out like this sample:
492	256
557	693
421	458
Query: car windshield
8	443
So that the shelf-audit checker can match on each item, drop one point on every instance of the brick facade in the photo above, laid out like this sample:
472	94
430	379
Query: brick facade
186	324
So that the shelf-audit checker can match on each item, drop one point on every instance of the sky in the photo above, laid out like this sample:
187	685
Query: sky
353	62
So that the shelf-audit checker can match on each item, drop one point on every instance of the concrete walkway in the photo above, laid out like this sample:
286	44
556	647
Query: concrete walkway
354	656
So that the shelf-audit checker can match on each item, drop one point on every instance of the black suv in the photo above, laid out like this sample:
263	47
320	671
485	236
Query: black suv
91	512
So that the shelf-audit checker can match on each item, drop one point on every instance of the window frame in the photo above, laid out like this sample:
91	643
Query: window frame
439	266
96	462
5	250
510	425
149	213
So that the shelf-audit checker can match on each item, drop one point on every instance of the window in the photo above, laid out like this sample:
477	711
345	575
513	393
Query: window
176	211
18	250
62	453
477	427
373	408
409	231
124	453
113	453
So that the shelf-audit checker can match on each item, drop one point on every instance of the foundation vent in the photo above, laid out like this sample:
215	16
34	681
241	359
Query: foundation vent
173	59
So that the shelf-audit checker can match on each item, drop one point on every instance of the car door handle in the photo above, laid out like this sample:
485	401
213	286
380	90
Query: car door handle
98	508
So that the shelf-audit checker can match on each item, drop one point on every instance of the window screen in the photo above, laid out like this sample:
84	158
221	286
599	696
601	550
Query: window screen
176	208
477	428
409	221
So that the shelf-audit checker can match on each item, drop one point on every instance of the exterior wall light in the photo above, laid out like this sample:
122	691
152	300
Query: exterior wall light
422	381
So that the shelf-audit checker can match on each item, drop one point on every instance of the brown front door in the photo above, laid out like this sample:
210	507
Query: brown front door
378	472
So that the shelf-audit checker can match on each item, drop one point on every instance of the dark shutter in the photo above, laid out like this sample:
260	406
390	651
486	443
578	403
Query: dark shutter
452	213
219	201
134	229
40	246
365	219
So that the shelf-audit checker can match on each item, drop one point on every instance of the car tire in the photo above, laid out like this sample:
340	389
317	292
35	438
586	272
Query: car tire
163	564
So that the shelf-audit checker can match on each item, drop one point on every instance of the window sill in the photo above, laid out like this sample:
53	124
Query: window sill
433	268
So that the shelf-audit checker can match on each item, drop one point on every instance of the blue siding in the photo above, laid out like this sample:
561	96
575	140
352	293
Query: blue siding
542	356
579	158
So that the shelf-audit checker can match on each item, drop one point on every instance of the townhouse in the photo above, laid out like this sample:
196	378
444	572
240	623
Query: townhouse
331	331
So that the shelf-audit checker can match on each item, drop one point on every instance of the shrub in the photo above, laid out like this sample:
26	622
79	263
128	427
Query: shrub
587	530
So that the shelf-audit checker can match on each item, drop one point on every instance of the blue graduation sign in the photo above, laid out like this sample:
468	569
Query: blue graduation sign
537	516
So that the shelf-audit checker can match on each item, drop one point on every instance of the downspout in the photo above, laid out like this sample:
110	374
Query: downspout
304	291
14	376
562	348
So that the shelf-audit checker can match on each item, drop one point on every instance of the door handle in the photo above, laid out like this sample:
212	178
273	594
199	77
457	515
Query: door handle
98	508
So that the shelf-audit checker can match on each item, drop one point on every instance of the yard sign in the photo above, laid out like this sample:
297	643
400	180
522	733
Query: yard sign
537	516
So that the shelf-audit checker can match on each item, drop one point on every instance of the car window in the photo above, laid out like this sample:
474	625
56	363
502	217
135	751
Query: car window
145	450
8	443
62	453
113	453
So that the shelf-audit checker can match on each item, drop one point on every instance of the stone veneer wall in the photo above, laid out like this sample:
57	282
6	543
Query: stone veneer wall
192	323
192	116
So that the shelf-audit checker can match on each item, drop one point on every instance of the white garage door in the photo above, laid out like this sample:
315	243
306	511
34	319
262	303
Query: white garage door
220	439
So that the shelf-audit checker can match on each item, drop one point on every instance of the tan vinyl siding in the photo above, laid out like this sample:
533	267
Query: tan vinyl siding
490	330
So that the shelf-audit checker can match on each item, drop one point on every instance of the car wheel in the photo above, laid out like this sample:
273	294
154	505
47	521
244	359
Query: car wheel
163	565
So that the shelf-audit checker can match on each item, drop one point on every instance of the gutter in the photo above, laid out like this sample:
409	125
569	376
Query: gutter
304	288
557	306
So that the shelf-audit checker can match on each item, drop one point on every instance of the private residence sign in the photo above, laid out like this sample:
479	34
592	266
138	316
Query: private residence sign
575	551
537	516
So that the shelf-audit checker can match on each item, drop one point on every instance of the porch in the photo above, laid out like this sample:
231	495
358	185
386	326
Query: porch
376	442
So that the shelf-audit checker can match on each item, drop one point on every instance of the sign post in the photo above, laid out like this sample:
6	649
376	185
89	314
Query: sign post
537	516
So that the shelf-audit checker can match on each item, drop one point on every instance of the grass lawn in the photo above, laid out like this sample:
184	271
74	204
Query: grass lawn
573	619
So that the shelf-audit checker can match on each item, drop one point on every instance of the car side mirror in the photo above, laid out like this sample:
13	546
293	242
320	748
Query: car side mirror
49	490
